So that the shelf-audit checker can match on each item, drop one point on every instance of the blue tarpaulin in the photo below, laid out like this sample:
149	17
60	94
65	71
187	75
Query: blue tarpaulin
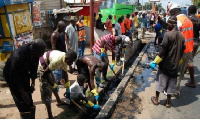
10	2
1	3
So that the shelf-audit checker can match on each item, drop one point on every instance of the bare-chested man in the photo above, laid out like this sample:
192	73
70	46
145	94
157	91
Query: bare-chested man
95	65
58	37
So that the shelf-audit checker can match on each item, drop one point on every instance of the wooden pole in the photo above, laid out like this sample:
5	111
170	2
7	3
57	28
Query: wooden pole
91	25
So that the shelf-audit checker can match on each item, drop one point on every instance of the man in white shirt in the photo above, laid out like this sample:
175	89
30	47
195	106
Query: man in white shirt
76	92
71	39
118	30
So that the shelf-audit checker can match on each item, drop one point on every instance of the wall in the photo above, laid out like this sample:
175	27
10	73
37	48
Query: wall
46	29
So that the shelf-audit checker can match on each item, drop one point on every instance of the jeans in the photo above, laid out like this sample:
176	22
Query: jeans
81	48
58	75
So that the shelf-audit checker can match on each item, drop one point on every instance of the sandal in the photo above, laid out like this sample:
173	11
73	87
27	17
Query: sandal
188	85
168	105
153	100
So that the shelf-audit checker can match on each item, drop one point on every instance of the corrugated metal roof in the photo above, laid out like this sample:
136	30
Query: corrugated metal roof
67	10
1	3
10	2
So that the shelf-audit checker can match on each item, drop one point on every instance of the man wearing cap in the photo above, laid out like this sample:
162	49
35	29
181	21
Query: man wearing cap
170	53
122	47
184	25
71	39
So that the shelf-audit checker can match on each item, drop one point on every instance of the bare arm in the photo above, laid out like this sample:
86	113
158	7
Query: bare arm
53	41
102	44
113	55
92	73
67	41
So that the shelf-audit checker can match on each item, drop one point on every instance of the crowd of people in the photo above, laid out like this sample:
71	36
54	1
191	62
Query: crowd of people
177	38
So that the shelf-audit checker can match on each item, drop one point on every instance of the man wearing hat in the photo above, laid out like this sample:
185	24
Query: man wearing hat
71	39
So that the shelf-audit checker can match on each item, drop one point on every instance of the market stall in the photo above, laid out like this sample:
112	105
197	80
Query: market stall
15	25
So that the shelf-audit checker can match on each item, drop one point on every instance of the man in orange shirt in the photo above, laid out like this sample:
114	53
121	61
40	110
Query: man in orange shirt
127	24
122	25
109	24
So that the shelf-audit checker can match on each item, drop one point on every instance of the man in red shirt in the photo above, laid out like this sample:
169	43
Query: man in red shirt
106	42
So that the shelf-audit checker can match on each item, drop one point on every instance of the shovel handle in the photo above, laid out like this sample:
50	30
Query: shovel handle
109	66
78	106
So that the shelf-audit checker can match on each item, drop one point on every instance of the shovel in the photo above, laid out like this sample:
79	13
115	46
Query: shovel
109	66
77	105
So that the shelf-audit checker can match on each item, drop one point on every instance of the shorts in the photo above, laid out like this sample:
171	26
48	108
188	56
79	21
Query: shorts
58	75
165	83
45	88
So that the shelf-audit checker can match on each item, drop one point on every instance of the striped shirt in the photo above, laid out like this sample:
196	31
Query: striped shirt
109	43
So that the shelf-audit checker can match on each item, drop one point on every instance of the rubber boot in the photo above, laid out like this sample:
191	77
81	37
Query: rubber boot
33	112
25	115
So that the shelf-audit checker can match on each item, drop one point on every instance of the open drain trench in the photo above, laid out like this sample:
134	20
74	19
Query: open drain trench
105	94
121	103
106	101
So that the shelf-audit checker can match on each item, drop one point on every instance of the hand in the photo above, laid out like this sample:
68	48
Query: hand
112	66
67	84
124	50
96	97
67	93
153	65
68	47
26	97
103	54
96	107
55	89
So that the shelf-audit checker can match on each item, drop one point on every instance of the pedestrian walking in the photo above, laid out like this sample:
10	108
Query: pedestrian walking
99	24
143	24
108	24
71	39
152	20
118	30
122	26
170	53
186	27
81	36
127	24
20	67
196	29
132	23
136	20
158	29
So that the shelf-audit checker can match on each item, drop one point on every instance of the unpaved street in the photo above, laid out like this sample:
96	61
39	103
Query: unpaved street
136	100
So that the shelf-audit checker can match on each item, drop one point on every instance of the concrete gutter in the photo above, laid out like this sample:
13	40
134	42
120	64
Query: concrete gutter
108	108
